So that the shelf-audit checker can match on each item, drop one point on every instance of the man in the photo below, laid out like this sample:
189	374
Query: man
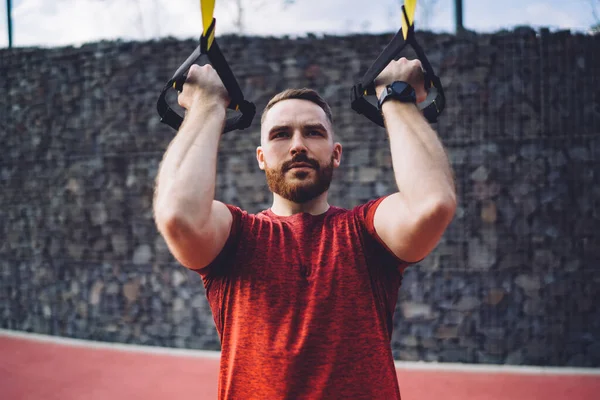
303	293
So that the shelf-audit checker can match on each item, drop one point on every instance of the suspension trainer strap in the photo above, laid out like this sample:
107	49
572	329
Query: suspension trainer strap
435	101
208	52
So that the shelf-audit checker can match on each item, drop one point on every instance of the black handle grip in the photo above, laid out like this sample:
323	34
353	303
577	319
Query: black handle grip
431	107
202	55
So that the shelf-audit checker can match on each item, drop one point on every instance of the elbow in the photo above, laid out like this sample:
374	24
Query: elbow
168	221
173	220
441	210
169	218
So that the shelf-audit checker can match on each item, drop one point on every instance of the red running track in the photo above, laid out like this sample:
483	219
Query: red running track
34	367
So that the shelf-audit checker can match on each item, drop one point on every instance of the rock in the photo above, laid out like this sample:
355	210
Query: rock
446	332
544	259
580	154
481	174
513	261
528	283
558	159
486	190
495	296
409	355
486	358
47	311
178	304
96	292
480	255
112	288
453	317
368	175
98	214
489	212
515	358
178	278
412	310
75	250
142	254
74	288
119	244
534	307
467	303
456	355
131	291
409	341
457	156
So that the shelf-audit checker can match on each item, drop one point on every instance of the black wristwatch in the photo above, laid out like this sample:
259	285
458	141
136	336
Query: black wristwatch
400	91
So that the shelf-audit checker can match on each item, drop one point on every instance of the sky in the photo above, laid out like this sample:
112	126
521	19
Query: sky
53	23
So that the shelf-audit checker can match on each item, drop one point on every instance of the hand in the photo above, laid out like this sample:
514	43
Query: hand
409	71
203	86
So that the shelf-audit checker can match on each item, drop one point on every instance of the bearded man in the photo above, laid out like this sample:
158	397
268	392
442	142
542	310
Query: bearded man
303	293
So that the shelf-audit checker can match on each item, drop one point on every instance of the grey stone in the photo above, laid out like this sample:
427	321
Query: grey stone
528	283
481	174
579	154
119	244
412	310
480	255
98	214
409	341
447	332
515	358
467	303
409	355
142	254
367	175
178	278
96	293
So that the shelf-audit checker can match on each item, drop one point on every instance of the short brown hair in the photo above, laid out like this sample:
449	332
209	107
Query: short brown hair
302	94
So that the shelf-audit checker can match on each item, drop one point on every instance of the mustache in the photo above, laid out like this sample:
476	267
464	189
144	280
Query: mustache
300	158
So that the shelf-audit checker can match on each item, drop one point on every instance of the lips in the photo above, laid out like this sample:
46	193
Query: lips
300	165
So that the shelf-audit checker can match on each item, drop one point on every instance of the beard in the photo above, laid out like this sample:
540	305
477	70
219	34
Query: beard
299	186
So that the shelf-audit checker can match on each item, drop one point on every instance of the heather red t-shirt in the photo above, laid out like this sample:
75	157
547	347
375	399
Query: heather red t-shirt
303	306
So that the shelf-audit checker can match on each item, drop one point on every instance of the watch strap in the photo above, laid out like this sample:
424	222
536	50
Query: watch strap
400	91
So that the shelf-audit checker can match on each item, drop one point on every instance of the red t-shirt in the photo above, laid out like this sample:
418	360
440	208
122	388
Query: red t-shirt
303	306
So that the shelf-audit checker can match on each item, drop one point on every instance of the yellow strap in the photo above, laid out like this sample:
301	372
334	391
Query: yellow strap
207	7
410	7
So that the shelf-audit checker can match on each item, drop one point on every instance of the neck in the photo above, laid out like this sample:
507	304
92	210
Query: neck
285	208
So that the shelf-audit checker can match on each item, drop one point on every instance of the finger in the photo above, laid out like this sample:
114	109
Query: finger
417	63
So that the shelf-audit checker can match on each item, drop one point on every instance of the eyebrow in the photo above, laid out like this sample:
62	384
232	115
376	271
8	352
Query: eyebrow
312	126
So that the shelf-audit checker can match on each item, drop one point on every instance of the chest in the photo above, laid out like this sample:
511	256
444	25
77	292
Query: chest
301	253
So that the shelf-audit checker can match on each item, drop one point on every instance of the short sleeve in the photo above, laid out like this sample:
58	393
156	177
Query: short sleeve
374	245
227	255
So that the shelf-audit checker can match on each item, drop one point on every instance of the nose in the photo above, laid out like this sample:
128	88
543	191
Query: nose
298	145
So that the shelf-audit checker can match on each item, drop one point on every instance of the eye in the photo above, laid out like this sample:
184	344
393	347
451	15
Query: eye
315	133
280	134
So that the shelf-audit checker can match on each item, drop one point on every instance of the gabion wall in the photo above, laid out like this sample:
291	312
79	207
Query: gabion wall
514	280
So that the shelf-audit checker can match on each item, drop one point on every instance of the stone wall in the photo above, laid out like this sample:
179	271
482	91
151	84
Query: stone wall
514	280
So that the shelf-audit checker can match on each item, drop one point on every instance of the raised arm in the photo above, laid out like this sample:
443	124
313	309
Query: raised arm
194	225
412	221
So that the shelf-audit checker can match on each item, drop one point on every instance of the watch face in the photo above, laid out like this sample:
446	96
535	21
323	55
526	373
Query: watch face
399	87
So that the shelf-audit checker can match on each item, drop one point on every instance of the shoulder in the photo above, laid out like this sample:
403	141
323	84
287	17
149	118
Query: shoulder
362	212
246	221
358	218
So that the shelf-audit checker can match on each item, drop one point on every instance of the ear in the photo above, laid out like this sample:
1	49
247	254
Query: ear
337	154
260	157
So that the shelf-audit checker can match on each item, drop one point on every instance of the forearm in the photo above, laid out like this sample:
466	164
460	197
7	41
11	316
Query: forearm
421	167
185	185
